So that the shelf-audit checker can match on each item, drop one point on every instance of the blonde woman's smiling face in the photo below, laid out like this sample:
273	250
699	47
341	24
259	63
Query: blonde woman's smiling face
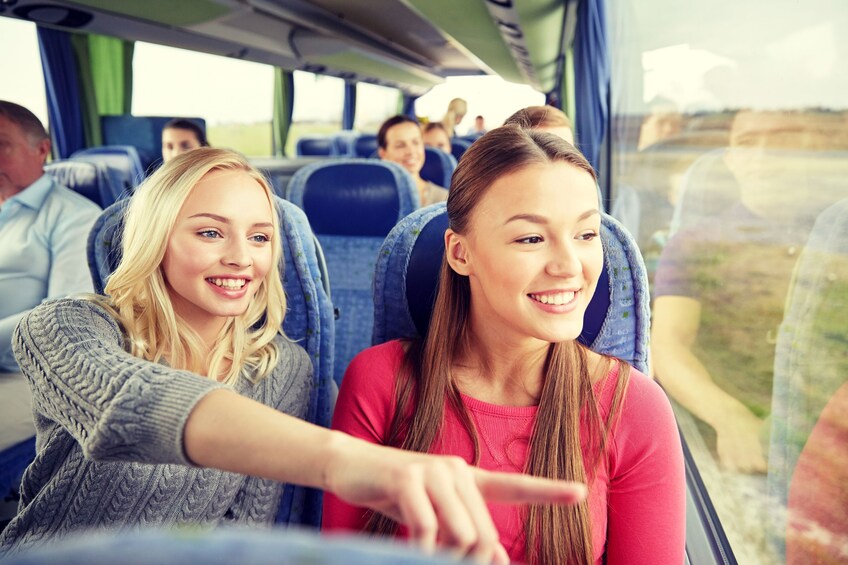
219	250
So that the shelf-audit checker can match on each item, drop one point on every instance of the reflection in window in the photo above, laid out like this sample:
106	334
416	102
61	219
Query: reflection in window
27	88
234	97
318	107
374	105
729	143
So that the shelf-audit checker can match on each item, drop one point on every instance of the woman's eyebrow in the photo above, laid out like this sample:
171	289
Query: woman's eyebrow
537	219
224	220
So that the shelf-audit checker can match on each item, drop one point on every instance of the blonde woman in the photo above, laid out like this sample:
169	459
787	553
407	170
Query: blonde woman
501	381
144	397
457	108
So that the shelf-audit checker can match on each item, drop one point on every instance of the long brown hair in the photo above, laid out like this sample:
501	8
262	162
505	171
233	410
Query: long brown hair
553	533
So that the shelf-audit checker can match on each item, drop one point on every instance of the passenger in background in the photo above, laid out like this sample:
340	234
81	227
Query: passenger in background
182	366
479	127
544	118
436	136
721	285
43	227
181	135
457	108
501	381
400	140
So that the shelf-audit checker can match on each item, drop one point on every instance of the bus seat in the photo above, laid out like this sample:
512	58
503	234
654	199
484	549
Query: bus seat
365	145
88	179
122	161
314	146
438	167
142	132
459	146
343	143
707	189
810	364
617	321
309	319
351	205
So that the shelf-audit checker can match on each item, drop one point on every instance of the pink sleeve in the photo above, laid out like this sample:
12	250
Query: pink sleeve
647	492
364	410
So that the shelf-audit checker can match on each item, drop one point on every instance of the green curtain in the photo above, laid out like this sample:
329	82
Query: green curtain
88	102
283	108
104	65
111	69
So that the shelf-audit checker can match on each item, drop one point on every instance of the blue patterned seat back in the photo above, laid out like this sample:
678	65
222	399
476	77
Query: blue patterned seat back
617	321
314	146
810	362
365	145
88	179
351	205
438	166
459	146
122	161
309	319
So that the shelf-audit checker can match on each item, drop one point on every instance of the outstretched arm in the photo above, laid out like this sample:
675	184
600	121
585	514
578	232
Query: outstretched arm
435	497
675	323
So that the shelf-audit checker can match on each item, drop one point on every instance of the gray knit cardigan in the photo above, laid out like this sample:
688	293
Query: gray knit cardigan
109	433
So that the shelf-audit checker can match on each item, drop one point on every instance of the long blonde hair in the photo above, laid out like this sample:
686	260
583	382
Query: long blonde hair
457	109
137	292
553	533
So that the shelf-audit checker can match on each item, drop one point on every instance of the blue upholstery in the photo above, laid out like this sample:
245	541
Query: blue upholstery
88	179
617	321
438	167
13	461
314	146
309	319
458	147
810	358
352	204
343	143
222	547
365	145
122	161
142	132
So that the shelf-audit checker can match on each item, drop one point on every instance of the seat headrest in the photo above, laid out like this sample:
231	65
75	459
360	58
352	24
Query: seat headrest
353	196
314	146
407	277
438	167
365	145
88	179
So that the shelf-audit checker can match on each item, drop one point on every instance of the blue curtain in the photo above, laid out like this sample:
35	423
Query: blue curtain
63	92
349	105
409	106
592	78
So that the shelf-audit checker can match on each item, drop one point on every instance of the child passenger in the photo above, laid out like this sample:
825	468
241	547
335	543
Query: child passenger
144	397
179	136
500	380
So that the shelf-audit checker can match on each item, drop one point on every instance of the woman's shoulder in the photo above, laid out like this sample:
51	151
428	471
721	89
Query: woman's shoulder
375	367
82	313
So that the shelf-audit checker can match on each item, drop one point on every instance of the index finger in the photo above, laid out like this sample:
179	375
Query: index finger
516	488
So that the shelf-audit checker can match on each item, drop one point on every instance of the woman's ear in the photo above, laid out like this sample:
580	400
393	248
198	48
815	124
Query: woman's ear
456	252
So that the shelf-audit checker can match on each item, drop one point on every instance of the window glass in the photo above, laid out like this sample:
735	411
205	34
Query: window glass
730	148
374	105
234	97
27	88
491	97
318	107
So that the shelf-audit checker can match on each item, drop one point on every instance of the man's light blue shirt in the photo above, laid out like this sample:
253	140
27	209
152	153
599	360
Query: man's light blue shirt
43	234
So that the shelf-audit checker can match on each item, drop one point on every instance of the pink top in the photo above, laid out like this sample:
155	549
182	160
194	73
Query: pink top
636	502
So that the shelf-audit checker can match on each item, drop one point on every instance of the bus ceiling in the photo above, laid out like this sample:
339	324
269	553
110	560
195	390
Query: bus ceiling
408	44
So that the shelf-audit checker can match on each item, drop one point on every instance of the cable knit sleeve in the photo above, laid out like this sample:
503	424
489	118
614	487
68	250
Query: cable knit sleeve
117	406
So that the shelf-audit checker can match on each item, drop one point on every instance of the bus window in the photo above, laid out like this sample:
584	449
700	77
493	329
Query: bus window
175	82
374	105
318	107
489	96
728	142
27	88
